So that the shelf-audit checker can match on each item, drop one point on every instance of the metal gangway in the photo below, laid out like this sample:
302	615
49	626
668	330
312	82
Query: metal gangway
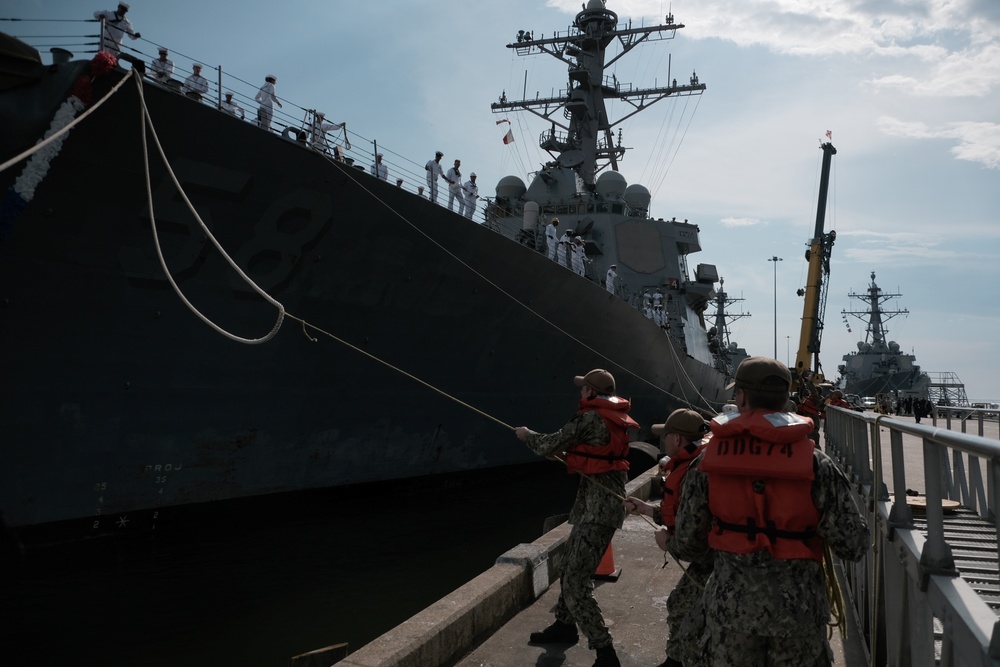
928	590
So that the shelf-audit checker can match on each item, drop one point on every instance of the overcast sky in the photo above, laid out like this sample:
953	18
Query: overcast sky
909	89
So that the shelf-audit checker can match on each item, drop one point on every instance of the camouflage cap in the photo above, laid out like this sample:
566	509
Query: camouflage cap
754	370
598	379
686	423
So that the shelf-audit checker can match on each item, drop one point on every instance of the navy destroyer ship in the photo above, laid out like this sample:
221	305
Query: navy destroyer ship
880	366
118	404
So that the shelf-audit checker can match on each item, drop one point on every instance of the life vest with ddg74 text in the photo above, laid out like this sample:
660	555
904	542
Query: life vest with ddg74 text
760	472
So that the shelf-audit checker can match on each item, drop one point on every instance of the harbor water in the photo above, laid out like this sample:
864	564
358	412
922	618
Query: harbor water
257	581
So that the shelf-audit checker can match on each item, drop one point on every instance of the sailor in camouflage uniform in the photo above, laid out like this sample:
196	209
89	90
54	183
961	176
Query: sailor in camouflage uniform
595	444
768	503
681	438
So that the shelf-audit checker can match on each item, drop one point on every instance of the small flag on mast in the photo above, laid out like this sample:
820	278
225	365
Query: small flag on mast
509	137
829	135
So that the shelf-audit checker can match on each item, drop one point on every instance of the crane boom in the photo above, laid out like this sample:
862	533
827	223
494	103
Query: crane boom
814	305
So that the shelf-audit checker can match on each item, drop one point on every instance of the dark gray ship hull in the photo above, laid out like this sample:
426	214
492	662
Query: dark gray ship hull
117	403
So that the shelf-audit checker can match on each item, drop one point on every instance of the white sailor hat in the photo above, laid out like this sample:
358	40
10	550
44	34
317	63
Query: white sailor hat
379	155
163	49
271	76
124	5
321	114
198	65
438	153
229	93
472	175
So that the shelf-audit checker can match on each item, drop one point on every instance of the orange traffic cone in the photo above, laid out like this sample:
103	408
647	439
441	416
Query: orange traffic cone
606	569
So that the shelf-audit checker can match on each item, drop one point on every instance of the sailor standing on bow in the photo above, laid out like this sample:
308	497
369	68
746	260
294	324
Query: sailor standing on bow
267	99
610	277
552	238
454	178
471	192
434	172
318	130
116	26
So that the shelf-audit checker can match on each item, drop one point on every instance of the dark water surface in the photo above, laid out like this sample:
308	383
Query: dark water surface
257	581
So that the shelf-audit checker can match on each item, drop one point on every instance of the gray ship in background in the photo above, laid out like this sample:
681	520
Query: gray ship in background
880	366
117	404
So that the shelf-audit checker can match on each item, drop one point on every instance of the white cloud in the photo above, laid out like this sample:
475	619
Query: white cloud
977	142
741	222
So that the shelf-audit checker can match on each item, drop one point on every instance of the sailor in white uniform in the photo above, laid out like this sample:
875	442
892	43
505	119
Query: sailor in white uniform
231	106
579	256
552	238
610	277
647	304
471	192
379	169
434	172
162	68
116	26
658	307
195	85
565	249
267	99
454	178
318	130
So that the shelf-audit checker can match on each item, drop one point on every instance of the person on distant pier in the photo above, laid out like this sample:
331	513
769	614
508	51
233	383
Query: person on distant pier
769	504
162	68
434	172
379	169
610	277
232	107
195	85
681	438
552	238
116	26
595	444
266	98
471	193
318	129
454	178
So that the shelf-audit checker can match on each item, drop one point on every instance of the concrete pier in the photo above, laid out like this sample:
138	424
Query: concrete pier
486	623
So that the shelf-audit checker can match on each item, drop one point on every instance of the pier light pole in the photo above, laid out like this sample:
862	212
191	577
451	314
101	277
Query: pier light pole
775	259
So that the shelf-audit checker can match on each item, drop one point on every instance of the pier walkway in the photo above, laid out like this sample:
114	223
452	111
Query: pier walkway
927	593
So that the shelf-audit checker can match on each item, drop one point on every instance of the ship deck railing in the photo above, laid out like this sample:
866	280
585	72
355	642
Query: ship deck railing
290	119
928	590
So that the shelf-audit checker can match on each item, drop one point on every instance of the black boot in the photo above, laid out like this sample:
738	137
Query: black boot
557	633
606	657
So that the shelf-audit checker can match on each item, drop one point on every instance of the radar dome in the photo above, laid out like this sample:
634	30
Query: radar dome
637	197
511	187
894	347
611	185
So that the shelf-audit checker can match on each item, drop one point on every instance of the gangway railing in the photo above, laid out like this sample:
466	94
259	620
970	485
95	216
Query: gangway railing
928	590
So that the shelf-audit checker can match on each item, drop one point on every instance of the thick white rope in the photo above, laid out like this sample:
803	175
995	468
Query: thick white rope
159	252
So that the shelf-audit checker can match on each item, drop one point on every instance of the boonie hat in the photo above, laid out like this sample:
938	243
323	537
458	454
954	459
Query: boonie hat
754	370
687	423
598	379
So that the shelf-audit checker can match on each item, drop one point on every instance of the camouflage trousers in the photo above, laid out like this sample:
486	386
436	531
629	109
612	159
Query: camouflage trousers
586	545
686	616
735	649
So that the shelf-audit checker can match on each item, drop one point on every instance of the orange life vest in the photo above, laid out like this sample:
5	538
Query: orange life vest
811	408
677	467
760	471
593	459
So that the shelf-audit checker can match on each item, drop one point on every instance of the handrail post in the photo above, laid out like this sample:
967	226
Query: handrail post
936	556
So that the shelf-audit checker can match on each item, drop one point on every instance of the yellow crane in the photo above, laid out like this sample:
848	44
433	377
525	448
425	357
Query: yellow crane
814	304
